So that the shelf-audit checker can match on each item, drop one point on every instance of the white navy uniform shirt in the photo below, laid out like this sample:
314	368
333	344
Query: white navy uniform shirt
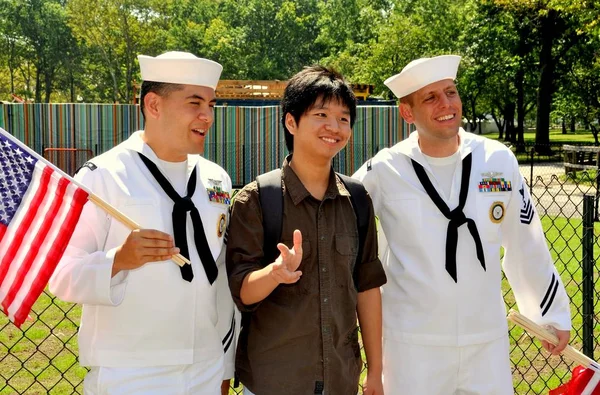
422	304
148	316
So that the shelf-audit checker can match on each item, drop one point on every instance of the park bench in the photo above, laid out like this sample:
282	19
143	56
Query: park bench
579	157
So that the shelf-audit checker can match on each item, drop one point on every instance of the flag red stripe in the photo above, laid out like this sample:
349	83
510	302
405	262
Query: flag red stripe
60	244
26	223
37	242
2	231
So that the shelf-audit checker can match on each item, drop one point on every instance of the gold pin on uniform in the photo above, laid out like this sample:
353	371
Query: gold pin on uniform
497	212
221	225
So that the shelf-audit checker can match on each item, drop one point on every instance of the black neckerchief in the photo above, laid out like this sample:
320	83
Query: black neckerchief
457	217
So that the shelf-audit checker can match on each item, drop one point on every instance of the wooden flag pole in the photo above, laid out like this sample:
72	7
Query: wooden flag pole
544	334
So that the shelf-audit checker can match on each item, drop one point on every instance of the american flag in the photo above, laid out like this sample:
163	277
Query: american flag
39	208
584	381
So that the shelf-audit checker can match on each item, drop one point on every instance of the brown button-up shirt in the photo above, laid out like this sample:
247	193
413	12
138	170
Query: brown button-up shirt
304	334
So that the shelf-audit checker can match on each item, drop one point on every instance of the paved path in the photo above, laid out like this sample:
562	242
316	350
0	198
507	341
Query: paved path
552	195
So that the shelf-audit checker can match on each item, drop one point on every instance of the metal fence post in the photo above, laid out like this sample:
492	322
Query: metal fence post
588	275
597	185
531	169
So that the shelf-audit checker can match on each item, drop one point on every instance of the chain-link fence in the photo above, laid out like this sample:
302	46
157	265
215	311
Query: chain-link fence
41	357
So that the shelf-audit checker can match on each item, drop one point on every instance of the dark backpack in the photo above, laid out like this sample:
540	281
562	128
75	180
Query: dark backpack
271	201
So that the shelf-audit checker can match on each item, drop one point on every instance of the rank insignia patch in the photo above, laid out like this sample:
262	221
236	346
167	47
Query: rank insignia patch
526	208
221	225
497	212
491	182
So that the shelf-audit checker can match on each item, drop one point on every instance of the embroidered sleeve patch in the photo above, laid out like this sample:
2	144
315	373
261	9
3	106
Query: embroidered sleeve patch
526	208
89	165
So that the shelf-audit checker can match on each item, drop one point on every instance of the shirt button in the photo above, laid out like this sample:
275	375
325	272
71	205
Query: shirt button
322	238
324	269
325	300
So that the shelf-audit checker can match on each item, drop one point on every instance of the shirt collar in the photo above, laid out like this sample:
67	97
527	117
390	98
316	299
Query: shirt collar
137	144
468	143
298	192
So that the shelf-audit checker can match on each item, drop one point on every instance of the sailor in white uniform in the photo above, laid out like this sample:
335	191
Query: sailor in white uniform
149	326
447	201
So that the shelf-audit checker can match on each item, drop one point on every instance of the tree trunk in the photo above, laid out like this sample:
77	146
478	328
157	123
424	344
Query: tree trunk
115	87
48	85
12	80
546	83
38	87
509	116
564	126
499	125
520	128
522	50
475	118
594	131
71	86
11	69
573	124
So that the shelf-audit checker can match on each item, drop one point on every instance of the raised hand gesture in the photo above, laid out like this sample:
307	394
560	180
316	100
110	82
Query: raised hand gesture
284	269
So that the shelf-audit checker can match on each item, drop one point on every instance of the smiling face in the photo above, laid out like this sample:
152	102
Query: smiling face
177	123
322	131
436	111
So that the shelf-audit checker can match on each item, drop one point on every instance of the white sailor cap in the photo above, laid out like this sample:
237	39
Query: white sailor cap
422	72
180	68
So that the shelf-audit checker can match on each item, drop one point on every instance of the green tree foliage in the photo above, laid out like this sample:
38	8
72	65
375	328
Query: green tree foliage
518	55
116	31
559	26
36	35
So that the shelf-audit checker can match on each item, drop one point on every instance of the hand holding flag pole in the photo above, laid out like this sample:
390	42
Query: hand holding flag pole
585	379
178	259
544	334
40	206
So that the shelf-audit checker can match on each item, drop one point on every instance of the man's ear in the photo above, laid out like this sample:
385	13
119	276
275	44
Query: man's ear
406	113
290	123
151	105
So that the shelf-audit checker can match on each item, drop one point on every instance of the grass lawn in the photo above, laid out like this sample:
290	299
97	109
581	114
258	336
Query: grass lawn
41	359
531	372
583	177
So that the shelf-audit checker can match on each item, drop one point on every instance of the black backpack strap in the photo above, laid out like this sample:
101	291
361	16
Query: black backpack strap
360	203
270	192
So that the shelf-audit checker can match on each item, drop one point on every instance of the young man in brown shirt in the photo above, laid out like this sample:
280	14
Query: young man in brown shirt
301	335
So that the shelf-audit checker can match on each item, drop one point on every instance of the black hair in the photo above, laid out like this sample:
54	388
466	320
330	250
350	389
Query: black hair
309	86
160	88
